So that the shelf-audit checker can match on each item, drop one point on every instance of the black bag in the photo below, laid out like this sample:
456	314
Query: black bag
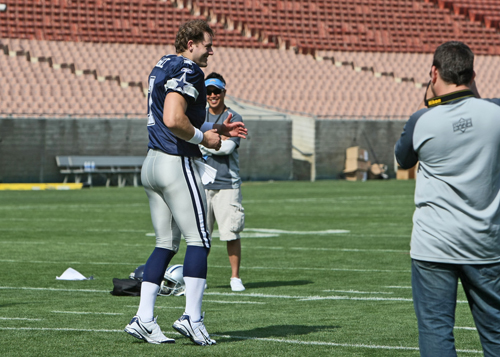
126	287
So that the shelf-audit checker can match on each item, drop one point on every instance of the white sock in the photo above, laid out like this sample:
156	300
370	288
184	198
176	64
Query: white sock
149	291
194	297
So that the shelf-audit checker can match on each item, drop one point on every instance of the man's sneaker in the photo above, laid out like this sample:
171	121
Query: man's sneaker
196	331
237	285
149	331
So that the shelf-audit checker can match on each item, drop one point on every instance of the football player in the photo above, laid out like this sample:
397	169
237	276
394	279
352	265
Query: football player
176	114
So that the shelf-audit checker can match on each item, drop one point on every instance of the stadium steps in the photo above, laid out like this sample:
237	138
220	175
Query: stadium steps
481	11
362	25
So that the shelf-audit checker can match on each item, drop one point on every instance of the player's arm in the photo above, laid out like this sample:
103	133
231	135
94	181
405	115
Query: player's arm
226	148
175	119
231	129
404	151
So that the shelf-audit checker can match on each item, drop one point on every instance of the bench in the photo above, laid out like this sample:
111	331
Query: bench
106	165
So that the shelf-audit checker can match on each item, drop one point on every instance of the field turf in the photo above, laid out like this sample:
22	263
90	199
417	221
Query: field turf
325	264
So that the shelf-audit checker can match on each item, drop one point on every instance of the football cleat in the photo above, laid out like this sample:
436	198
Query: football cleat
237	285
149	331
195	331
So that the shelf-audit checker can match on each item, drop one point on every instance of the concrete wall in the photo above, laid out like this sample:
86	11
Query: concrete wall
28	147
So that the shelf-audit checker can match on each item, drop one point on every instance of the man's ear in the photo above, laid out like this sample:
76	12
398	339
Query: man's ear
190	45
434	74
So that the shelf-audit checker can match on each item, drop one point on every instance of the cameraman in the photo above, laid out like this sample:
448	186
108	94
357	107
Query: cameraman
456	224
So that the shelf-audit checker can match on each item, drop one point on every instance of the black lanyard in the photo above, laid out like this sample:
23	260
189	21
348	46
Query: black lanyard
215	122
447	97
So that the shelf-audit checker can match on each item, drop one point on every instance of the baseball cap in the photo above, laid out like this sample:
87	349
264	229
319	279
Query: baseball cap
216	83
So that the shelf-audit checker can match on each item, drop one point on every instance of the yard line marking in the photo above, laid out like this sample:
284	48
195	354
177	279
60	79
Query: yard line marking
281	231
100	230
353	250
164	307
311	298
235	302
353	298
272	233
407	287
55	262
249	247
334	344
158	307
358	292
213	266
54	289
264	339
19	318
326	200
57	329
73	243
465	328
321	269
223	246
319	343
78	207
87	313
306	298
256	295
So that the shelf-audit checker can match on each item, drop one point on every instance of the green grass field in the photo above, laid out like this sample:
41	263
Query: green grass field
326	267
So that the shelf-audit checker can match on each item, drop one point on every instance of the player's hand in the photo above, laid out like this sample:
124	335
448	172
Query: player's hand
211	139
233	129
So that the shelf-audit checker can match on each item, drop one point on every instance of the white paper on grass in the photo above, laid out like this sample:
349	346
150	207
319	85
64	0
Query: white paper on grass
207	172
72	274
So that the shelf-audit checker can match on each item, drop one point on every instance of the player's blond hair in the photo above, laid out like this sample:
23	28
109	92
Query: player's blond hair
193	30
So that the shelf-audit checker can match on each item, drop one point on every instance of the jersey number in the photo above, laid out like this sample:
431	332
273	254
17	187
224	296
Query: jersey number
151	119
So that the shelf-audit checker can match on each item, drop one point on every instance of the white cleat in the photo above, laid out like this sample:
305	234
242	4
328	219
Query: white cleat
196	331
237	285
149	331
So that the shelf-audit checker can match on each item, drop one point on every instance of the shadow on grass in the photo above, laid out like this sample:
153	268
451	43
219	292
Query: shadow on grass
274	331
270	284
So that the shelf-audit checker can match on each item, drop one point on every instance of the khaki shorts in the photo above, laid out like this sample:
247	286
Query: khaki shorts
224	206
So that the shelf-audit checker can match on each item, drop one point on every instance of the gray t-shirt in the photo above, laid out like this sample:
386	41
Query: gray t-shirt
227	166
457	194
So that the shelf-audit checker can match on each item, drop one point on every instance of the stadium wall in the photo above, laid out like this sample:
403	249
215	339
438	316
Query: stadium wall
28	147
333	137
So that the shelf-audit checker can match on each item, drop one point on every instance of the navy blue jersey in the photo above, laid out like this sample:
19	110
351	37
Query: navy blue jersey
175	74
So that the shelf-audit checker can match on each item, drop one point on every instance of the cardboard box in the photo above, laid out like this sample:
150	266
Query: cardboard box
356	164
356	175
357	153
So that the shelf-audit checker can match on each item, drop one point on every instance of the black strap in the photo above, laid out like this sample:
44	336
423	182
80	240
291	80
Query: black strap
447	97
215	122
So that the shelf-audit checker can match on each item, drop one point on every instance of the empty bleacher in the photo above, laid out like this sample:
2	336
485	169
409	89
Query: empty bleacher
370	58
485	11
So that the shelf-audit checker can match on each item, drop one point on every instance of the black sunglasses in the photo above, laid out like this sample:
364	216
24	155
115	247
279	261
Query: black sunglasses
214	91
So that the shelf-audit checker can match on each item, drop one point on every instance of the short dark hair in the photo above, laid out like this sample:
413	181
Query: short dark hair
192	30
454	61
215	75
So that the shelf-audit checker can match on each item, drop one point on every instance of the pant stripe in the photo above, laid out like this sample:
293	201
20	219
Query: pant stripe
197	201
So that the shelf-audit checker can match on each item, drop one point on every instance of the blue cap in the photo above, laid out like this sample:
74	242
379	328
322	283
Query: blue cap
216	83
